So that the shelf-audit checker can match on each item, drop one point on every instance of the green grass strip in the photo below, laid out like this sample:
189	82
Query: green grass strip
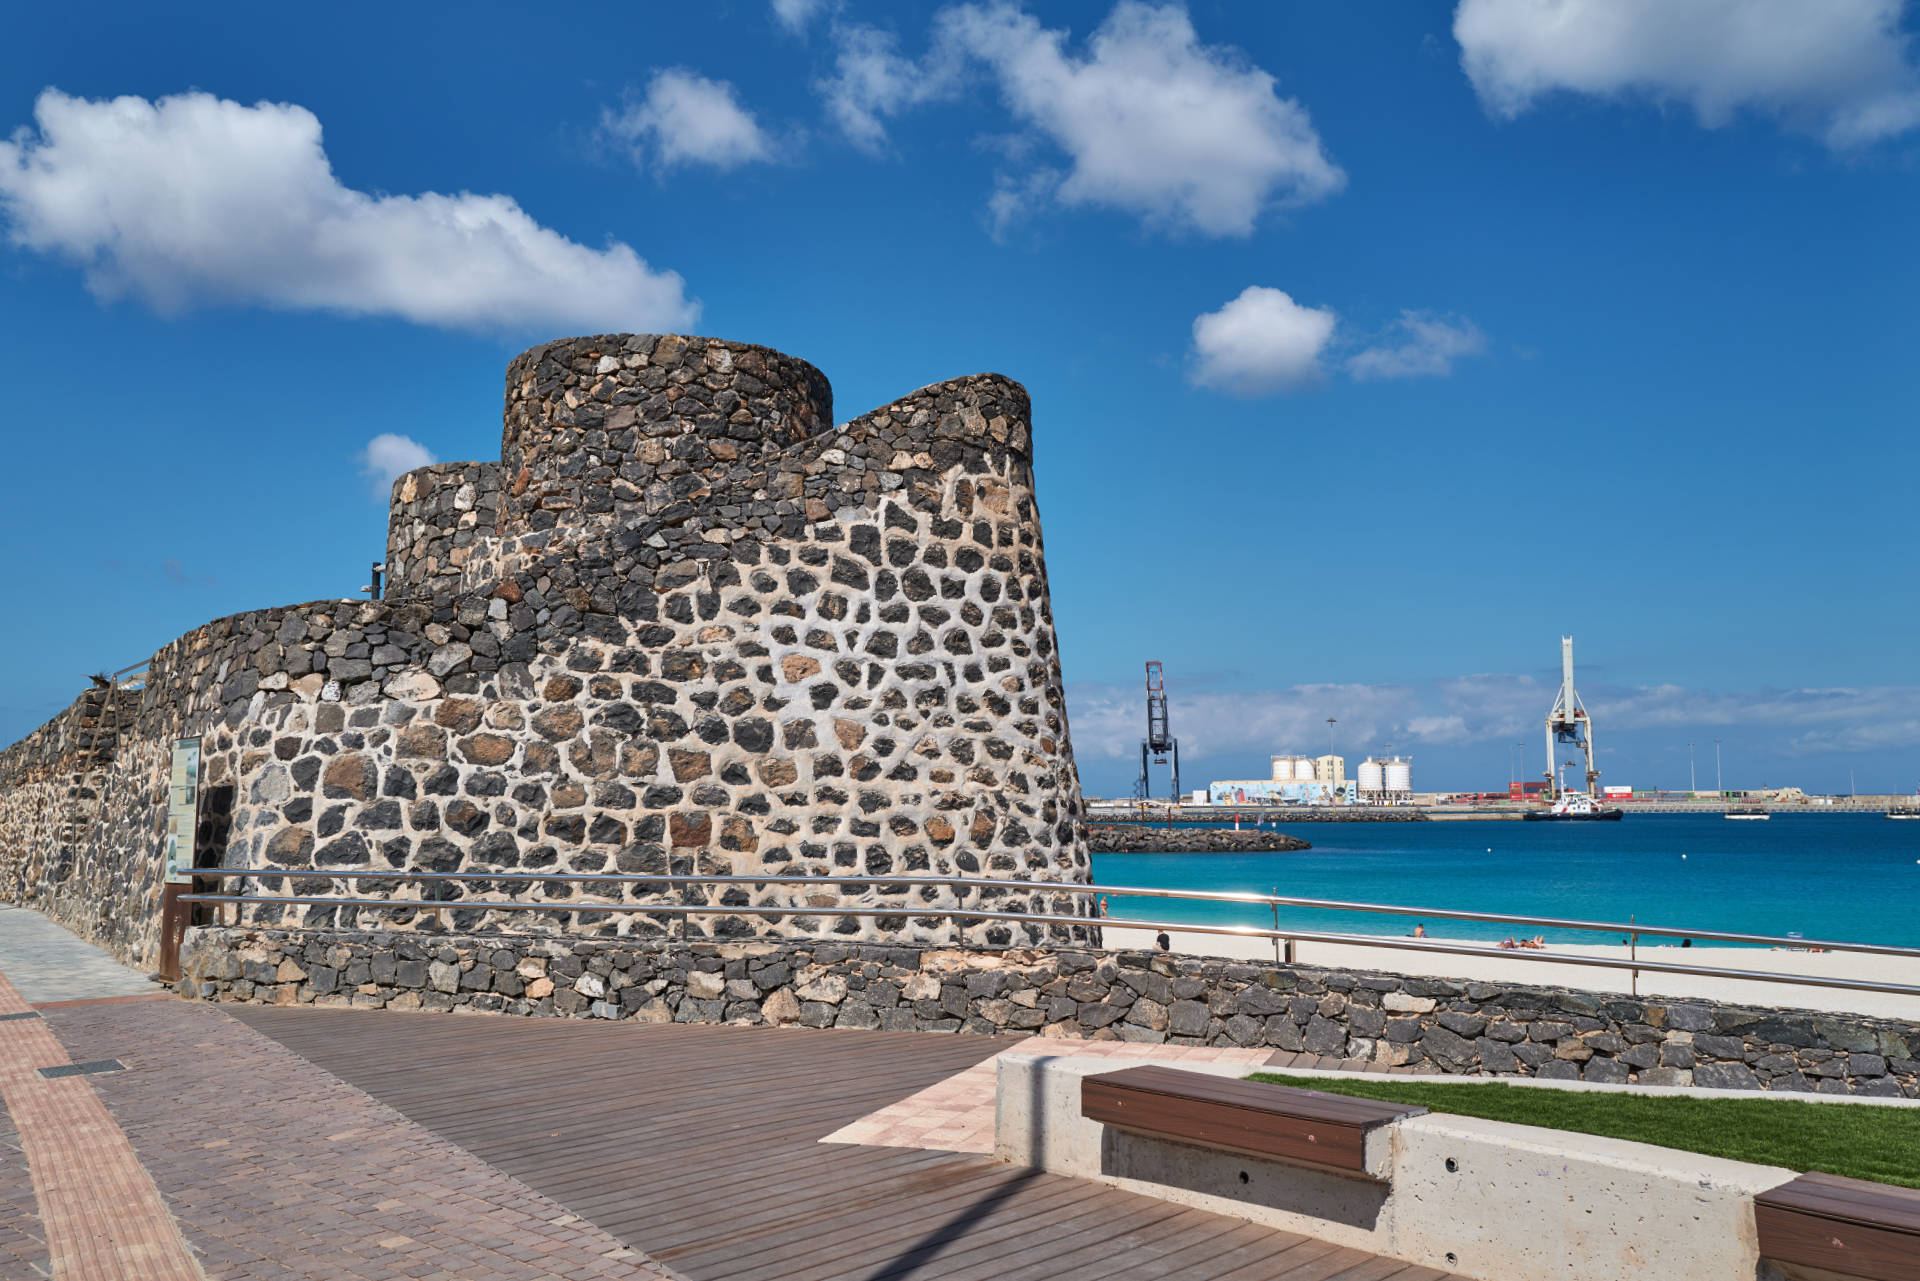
1878	1143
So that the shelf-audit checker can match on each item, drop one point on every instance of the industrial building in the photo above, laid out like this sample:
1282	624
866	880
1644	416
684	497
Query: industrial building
1296	780
1386	781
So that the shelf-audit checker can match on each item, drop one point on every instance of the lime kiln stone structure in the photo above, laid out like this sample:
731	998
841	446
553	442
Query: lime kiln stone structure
684	624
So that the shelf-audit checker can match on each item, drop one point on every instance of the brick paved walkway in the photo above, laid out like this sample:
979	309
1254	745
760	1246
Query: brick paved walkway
956	1115
278	1169
102	1216
23	1241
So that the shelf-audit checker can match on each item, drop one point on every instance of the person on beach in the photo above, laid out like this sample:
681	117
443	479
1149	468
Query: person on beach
1508	944
1419	930
1102	910
1163	942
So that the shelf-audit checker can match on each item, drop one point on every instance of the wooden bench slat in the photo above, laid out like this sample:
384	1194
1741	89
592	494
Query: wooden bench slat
1848	1226
1262	1096
1238	1116
1854	1200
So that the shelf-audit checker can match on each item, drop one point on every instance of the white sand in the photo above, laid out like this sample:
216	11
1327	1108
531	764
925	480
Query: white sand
1525	967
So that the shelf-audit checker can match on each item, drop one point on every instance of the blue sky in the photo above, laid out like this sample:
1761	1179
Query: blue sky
1372	347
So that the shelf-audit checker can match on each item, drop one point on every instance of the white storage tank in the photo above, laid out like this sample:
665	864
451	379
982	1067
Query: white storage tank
1398	775
1372	776
1292	769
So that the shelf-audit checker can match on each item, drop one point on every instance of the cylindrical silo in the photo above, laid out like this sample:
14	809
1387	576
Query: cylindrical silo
1398	775
1372	776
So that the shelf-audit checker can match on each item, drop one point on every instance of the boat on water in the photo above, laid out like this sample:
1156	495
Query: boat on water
1746	811
1573	807
1904	811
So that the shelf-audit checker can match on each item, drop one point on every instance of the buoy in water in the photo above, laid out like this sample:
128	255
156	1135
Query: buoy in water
1683	858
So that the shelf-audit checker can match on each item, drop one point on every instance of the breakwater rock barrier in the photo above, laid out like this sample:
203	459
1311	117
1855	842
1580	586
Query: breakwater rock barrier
1250	814
1135	838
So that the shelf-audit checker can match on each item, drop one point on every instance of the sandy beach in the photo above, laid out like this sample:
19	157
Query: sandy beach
1538	968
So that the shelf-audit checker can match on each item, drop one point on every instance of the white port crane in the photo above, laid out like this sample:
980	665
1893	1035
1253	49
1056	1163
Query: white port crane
1568	722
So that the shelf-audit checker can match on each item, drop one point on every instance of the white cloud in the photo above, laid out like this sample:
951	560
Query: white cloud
1834	68
387	457
1261	342
1428	347
194	198
872	81
1152	122
1185	135
689	119
797	15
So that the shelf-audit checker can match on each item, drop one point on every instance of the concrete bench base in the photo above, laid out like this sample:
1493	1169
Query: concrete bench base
1484	1199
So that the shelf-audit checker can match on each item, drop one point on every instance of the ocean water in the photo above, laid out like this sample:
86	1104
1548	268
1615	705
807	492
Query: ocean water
1852	878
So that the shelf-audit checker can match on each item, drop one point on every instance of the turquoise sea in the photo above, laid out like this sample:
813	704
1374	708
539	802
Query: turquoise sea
1853	878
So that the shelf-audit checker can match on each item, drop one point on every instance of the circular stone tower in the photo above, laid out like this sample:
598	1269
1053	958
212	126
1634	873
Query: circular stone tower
695	628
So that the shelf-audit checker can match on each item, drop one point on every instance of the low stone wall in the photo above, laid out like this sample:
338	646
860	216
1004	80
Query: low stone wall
1435	1025
1107	838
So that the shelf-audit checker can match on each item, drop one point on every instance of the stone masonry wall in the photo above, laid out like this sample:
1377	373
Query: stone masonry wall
443	529
1435	1025
683	625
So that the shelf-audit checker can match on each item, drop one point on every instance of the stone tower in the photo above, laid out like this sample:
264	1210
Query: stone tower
688	625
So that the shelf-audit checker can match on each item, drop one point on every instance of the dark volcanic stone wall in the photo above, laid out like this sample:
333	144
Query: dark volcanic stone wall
1428	1025
443	529
684	625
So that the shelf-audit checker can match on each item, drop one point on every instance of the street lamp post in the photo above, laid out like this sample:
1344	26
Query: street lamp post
1719	785
1693	788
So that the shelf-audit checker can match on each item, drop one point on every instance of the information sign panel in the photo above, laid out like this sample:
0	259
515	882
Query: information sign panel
183	808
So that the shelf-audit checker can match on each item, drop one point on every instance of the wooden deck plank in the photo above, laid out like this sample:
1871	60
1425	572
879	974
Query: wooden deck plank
823	1259
1150	1251
699	1145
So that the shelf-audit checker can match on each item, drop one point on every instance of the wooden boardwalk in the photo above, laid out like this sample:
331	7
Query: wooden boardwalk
699	1145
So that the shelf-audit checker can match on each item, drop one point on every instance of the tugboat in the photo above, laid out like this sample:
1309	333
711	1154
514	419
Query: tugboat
1573	807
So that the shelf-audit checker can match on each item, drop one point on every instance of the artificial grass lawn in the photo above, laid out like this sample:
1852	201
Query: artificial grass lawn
1878	1143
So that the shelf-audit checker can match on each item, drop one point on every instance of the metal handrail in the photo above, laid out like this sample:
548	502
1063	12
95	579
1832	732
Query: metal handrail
1039	918
1122	891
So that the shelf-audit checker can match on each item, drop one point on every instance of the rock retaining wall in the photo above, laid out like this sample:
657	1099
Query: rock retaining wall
1434	1025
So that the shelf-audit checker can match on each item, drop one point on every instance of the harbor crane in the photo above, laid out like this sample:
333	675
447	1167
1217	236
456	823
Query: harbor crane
1568	722
1159	745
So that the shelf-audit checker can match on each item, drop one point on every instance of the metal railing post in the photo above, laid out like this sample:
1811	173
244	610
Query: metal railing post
1633	955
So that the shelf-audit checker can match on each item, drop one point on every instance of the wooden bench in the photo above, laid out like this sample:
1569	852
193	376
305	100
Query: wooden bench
1850	1226
1250	1117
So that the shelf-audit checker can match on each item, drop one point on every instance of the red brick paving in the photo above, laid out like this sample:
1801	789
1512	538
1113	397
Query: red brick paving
277	1169
103	1218
23	1240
